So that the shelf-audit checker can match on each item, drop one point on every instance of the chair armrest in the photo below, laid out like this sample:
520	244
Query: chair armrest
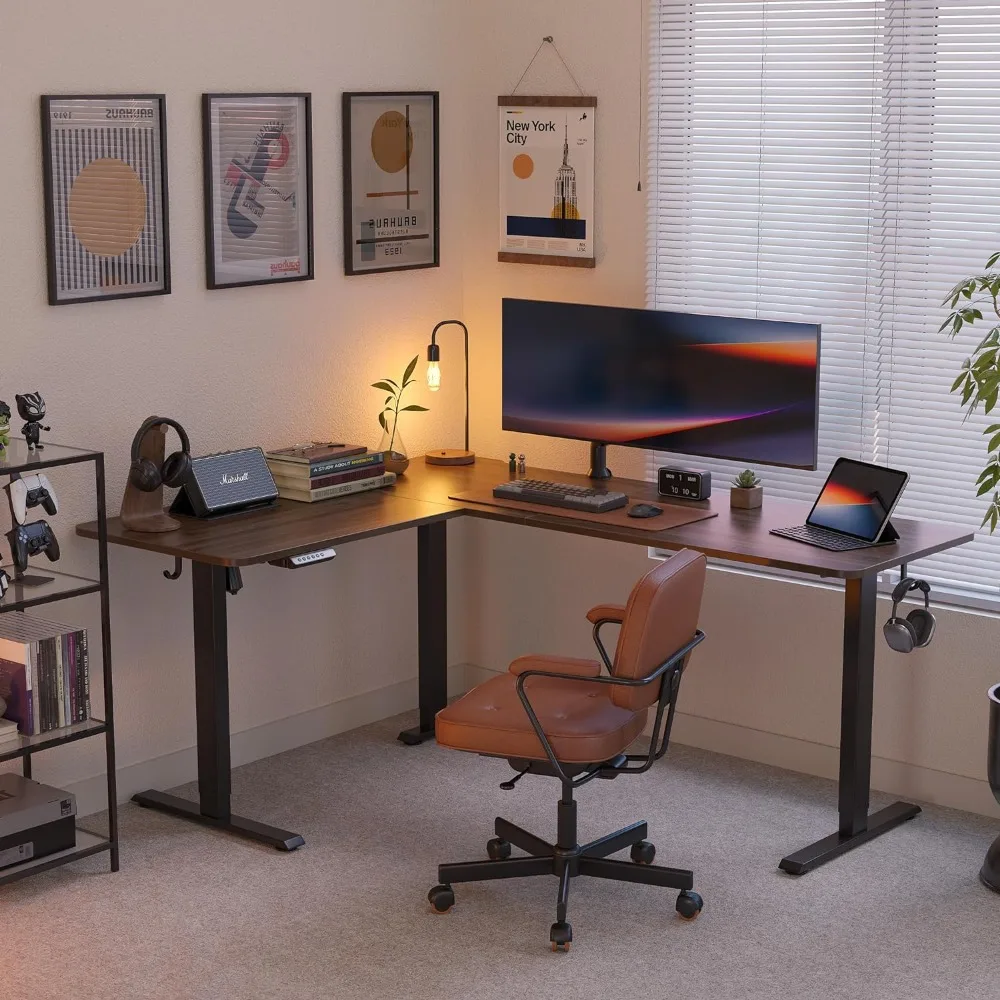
606	613
564	665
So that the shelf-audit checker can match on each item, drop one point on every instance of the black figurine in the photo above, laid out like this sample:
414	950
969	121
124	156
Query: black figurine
513	465
31	407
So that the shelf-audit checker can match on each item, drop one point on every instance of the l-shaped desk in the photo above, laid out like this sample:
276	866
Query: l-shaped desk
421	499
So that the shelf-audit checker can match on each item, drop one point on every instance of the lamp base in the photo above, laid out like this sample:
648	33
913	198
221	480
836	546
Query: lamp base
450	456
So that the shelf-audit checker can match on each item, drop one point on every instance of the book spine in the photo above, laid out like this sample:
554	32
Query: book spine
29	683
85	663
296	469
70	640
50	685
359	486
81	713
368	472
31	650
60	682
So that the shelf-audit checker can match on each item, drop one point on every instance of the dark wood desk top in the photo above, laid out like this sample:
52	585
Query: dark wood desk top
421	496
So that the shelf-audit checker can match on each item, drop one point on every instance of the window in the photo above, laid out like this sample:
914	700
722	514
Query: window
838	162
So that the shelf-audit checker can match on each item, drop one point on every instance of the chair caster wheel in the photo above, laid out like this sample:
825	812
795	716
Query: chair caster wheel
689	904
561	936
498	849
441	898
643	852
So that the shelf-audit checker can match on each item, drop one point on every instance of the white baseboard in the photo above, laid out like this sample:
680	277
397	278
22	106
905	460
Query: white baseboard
268	739
896	777
910	781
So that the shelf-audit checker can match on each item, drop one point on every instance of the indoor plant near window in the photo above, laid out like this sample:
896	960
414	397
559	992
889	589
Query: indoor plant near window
979	383
746	491
391	445
979	378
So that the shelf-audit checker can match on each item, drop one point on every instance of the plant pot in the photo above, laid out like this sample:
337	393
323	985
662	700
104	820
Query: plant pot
989	874
746	499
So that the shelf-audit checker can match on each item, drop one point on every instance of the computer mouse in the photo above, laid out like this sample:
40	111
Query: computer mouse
644	510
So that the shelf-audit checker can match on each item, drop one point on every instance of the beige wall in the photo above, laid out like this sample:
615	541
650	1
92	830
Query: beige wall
320	651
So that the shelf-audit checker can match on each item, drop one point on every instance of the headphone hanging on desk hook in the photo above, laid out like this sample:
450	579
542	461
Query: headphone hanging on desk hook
915	630
144	474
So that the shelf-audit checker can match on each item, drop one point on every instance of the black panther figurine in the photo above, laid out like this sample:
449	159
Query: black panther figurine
31	407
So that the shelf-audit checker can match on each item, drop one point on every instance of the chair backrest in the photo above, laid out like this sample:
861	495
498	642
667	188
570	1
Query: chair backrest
661	616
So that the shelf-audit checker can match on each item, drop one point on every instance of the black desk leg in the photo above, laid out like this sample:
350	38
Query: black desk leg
432	628
856	826
211	678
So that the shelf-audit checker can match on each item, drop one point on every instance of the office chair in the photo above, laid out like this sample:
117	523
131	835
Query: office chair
563	718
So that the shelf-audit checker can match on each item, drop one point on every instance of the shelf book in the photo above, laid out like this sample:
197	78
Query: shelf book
44	673
319	471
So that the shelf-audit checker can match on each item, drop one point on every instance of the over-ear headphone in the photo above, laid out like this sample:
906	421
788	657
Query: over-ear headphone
145	474
917	628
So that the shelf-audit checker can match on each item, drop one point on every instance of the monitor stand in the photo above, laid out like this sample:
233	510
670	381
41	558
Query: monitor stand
599	461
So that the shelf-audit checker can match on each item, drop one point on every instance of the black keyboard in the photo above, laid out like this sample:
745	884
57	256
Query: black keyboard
822	538
561	495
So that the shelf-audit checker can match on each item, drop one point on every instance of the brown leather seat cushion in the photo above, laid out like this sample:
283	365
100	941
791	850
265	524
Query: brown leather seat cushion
582	723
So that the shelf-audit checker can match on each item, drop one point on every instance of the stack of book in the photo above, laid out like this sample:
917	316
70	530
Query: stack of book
320	470
44	673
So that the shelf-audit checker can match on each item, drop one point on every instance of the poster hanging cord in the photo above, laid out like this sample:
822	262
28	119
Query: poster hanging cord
642	42
547	40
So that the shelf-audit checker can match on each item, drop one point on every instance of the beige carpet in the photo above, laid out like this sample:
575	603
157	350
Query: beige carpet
197	914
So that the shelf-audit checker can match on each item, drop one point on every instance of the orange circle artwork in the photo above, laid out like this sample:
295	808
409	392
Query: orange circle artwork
392	141
107	207
524	166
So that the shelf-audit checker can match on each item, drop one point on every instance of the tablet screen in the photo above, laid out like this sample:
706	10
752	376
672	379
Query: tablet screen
857	499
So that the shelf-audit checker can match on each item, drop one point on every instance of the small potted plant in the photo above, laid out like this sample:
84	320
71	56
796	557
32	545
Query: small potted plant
391	445
4	426
746	492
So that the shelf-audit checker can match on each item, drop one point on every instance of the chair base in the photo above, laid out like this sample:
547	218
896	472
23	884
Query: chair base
566	860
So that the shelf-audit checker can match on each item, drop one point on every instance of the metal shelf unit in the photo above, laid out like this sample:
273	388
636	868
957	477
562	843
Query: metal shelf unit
17	461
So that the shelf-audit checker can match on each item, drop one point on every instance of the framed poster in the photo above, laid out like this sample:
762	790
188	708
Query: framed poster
391	218
258	188
547	180
104	160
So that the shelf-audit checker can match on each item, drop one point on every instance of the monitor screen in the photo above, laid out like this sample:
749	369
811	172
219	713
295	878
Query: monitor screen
857	498
718	387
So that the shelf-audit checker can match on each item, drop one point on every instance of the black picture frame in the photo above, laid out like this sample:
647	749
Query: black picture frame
213	269
430	228
71	267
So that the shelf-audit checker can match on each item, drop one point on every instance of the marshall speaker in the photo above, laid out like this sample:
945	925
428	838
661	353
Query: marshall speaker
226	483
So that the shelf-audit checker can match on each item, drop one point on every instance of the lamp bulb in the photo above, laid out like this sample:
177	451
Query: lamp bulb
433	376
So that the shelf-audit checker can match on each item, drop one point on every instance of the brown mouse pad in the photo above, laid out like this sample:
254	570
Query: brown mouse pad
673	516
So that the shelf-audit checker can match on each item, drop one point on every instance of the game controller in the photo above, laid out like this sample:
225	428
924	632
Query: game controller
4	583
31	491
29	540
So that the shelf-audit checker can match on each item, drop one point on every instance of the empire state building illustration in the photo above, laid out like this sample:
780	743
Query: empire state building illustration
564	202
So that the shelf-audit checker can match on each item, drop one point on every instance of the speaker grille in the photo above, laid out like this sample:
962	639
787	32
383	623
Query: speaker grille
232	479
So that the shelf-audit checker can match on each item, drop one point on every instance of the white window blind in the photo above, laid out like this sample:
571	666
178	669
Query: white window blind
838	162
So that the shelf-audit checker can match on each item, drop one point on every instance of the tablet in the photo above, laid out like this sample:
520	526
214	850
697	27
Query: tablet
857	499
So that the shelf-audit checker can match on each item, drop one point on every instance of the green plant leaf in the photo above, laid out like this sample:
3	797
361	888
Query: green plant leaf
991	400
409	368
994	443
970	388
381	420
961	378
413	407
993	259
389	399
985	488
384	386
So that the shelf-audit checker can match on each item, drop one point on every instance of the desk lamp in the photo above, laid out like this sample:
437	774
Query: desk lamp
448	456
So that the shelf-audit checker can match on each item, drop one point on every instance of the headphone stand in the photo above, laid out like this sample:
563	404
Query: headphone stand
144	511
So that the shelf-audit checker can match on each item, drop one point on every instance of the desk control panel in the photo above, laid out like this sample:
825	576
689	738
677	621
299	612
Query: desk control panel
305	559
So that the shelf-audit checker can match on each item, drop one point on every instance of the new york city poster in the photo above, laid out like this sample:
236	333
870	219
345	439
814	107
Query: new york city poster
547	180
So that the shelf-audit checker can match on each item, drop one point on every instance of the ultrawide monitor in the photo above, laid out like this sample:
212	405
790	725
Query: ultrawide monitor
717	387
